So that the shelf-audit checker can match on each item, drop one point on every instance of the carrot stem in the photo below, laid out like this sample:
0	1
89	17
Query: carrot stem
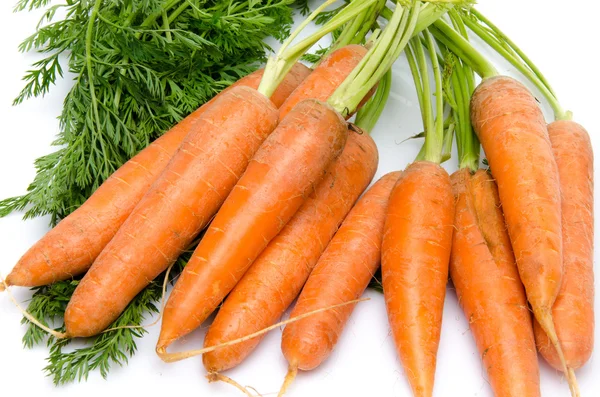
386	49
502	44
368	115
463	49
280	64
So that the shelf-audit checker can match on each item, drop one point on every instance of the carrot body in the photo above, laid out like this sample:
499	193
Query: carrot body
341	275
486	278
71	247
573	311
513	133
279	178
175	209
414	266
276	277
326	77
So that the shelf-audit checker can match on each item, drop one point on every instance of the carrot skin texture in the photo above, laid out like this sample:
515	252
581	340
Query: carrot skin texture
278	180
342	274
514	136
487	283
573	311
175	209
70	248
276	277
414	265
326	77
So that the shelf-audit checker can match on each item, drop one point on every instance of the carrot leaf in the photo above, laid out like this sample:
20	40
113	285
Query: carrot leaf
139	67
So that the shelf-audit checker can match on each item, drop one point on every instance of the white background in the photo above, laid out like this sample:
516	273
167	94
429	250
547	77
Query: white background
561	37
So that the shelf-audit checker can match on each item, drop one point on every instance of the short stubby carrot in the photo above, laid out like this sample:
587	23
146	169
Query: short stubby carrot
71	247
514	136
487	283
278	180
326	77
573	310
341	275
176	208
276	277
414	266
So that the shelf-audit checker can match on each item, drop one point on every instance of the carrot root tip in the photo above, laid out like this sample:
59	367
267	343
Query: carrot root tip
217	377
289	379
544	317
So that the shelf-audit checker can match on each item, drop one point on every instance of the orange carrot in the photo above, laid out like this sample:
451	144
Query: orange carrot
326	77
175	209
279	178
487	283
573	311
283	267
414	267
513	133
71	247
341	275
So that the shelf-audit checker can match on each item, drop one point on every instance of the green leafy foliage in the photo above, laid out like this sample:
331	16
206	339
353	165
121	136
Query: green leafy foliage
110	348
140	66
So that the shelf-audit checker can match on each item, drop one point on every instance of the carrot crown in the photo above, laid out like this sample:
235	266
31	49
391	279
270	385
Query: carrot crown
281	63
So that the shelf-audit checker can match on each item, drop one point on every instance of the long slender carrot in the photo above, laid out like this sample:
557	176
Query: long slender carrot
326	77
418	236
341	274
512	130
414	266
487	283
175	209
573	311
283	267
71	247
279	178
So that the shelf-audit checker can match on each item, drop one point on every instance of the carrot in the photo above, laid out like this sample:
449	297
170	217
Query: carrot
276	183
487	283
341	274
176	208
414	267
326	77
573	311
417	236
283	267
71	247
510	125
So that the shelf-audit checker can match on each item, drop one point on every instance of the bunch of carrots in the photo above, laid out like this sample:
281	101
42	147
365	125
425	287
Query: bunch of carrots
272	177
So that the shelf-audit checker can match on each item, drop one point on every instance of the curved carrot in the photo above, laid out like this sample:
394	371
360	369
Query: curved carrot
414	267
513	133
278	180
573	310
71	247
487	283
276	277
341	274
175	209
326	77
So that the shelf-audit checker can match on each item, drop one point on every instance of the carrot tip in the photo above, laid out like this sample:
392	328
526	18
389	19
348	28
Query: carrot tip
289	378
544	317
217	377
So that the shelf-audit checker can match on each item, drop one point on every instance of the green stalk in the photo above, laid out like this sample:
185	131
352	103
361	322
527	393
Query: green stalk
378	59
368	115
278	65
463	49
496	39
88	59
